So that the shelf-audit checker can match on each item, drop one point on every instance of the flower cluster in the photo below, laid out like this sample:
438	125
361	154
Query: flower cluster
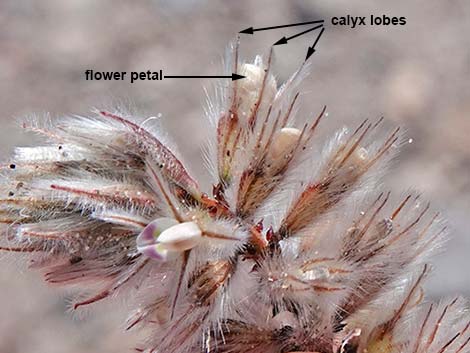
296	249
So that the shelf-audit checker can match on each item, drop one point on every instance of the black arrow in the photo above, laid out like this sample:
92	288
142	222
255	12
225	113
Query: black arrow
251	30
233	76
284	40
311	49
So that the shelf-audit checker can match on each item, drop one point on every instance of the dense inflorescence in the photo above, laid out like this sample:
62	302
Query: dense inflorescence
296	249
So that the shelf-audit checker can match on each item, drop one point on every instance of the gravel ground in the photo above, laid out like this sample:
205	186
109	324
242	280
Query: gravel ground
415	75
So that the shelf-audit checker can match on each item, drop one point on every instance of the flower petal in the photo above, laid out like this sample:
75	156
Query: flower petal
153	230
181	237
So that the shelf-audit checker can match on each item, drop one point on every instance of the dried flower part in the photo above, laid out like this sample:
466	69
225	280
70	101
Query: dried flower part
296	249
205	284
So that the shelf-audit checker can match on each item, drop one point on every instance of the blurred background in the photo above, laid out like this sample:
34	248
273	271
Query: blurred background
417	76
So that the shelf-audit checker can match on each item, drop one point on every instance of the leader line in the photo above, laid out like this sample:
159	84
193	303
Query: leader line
251	30
233	76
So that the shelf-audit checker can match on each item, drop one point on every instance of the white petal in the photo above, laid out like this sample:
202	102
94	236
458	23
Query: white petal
151	233
284	143
181	237
249	88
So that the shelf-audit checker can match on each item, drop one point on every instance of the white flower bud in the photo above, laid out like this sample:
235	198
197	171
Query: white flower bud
181	237
250	87
284	142
165	235
253	78
148	240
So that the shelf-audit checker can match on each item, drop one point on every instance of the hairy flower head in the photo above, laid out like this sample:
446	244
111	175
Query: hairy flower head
295	249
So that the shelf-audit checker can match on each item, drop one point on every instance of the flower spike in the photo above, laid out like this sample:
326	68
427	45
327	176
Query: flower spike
296	250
